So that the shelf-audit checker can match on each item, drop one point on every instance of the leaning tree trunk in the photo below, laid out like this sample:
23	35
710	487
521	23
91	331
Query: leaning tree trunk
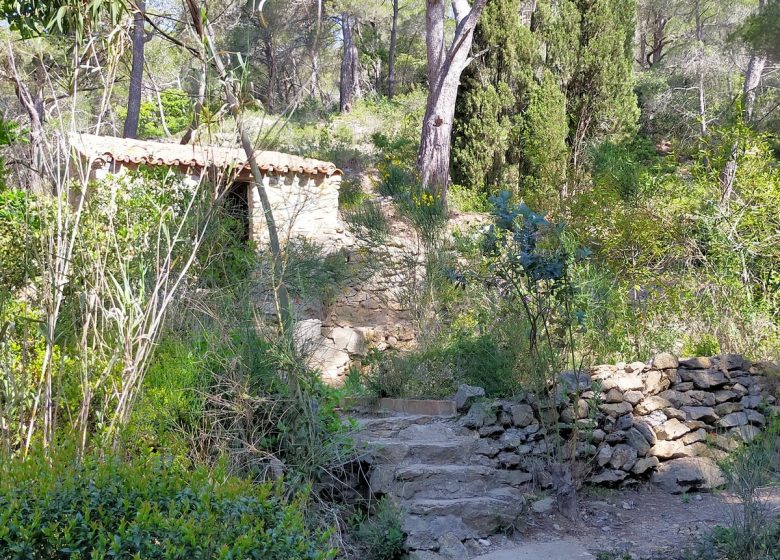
391	55
444	70
136	72
349	85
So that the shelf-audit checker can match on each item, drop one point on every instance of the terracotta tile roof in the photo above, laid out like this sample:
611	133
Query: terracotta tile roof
125	150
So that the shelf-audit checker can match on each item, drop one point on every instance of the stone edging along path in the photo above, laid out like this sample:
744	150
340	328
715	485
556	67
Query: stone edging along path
465	477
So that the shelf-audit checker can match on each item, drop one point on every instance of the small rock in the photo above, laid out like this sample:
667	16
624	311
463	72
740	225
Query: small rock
683	387
623	457
645	464
616	410
665	450
544	505
651	404
522	415
755	417
638	441
614	396
704	413
733	420
646	431
704	379
608	477
633	397
604	455
696	363
745	433
671	430
491	431
450	546
725	395
694	437
466	396
726	408
664	360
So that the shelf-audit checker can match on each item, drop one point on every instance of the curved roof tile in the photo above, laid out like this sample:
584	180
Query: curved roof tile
127	150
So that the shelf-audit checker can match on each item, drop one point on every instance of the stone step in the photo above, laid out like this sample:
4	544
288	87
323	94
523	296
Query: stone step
424	481
390	426
467	518
395	451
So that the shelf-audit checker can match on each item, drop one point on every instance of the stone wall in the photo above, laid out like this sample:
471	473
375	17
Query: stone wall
668	420
303	205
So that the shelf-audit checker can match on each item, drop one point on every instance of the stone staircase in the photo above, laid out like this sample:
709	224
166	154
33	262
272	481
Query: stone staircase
448	484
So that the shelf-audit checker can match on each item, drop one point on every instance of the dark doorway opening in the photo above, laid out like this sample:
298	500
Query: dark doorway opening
236	205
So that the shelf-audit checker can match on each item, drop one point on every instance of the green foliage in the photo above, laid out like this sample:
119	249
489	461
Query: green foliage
436	370
176	108
351	194
380	533
310	272
32	18
368	222
172	400
543	139
102	507
762	30
511	117
20	227
494	93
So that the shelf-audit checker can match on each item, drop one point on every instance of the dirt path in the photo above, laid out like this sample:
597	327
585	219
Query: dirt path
646	522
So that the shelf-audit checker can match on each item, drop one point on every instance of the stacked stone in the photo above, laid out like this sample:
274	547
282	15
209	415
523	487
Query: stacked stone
670	420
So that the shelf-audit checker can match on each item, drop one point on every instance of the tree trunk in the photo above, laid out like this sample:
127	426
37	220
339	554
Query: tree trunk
392	53
699	69
36	112
753	74
270	62
444	70
349	86
136	72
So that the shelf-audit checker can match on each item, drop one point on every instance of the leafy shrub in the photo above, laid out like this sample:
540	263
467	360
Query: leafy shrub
380	533
146	508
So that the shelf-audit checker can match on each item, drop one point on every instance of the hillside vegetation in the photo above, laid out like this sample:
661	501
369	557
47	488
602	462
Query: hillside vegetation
576	182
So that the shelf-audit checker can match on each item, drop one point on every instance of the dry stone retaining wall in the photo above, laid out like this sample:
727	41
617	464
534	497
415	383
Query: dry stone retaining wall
669	420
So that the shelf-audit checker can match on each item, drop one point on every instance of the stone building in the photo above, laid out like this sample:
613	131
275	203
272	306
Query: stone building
303	192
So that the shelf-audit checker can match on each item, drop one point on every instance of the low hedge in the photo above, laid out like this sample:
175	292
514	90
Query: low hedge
146	509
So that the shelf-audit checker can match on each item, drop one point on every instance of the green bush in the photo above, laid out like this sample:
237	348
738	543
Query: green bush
147	508
380	534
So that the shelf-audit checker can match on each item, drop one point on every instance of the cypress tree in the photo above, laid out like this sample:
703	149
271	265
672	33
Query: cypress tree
539	94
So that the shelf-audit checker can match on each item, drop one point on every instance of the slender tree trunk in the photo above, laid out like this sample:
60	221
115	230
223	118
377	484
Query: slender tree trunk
753	74
444	70
36	112
284	311
136	72
349	86
700	68
392	53
270	62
